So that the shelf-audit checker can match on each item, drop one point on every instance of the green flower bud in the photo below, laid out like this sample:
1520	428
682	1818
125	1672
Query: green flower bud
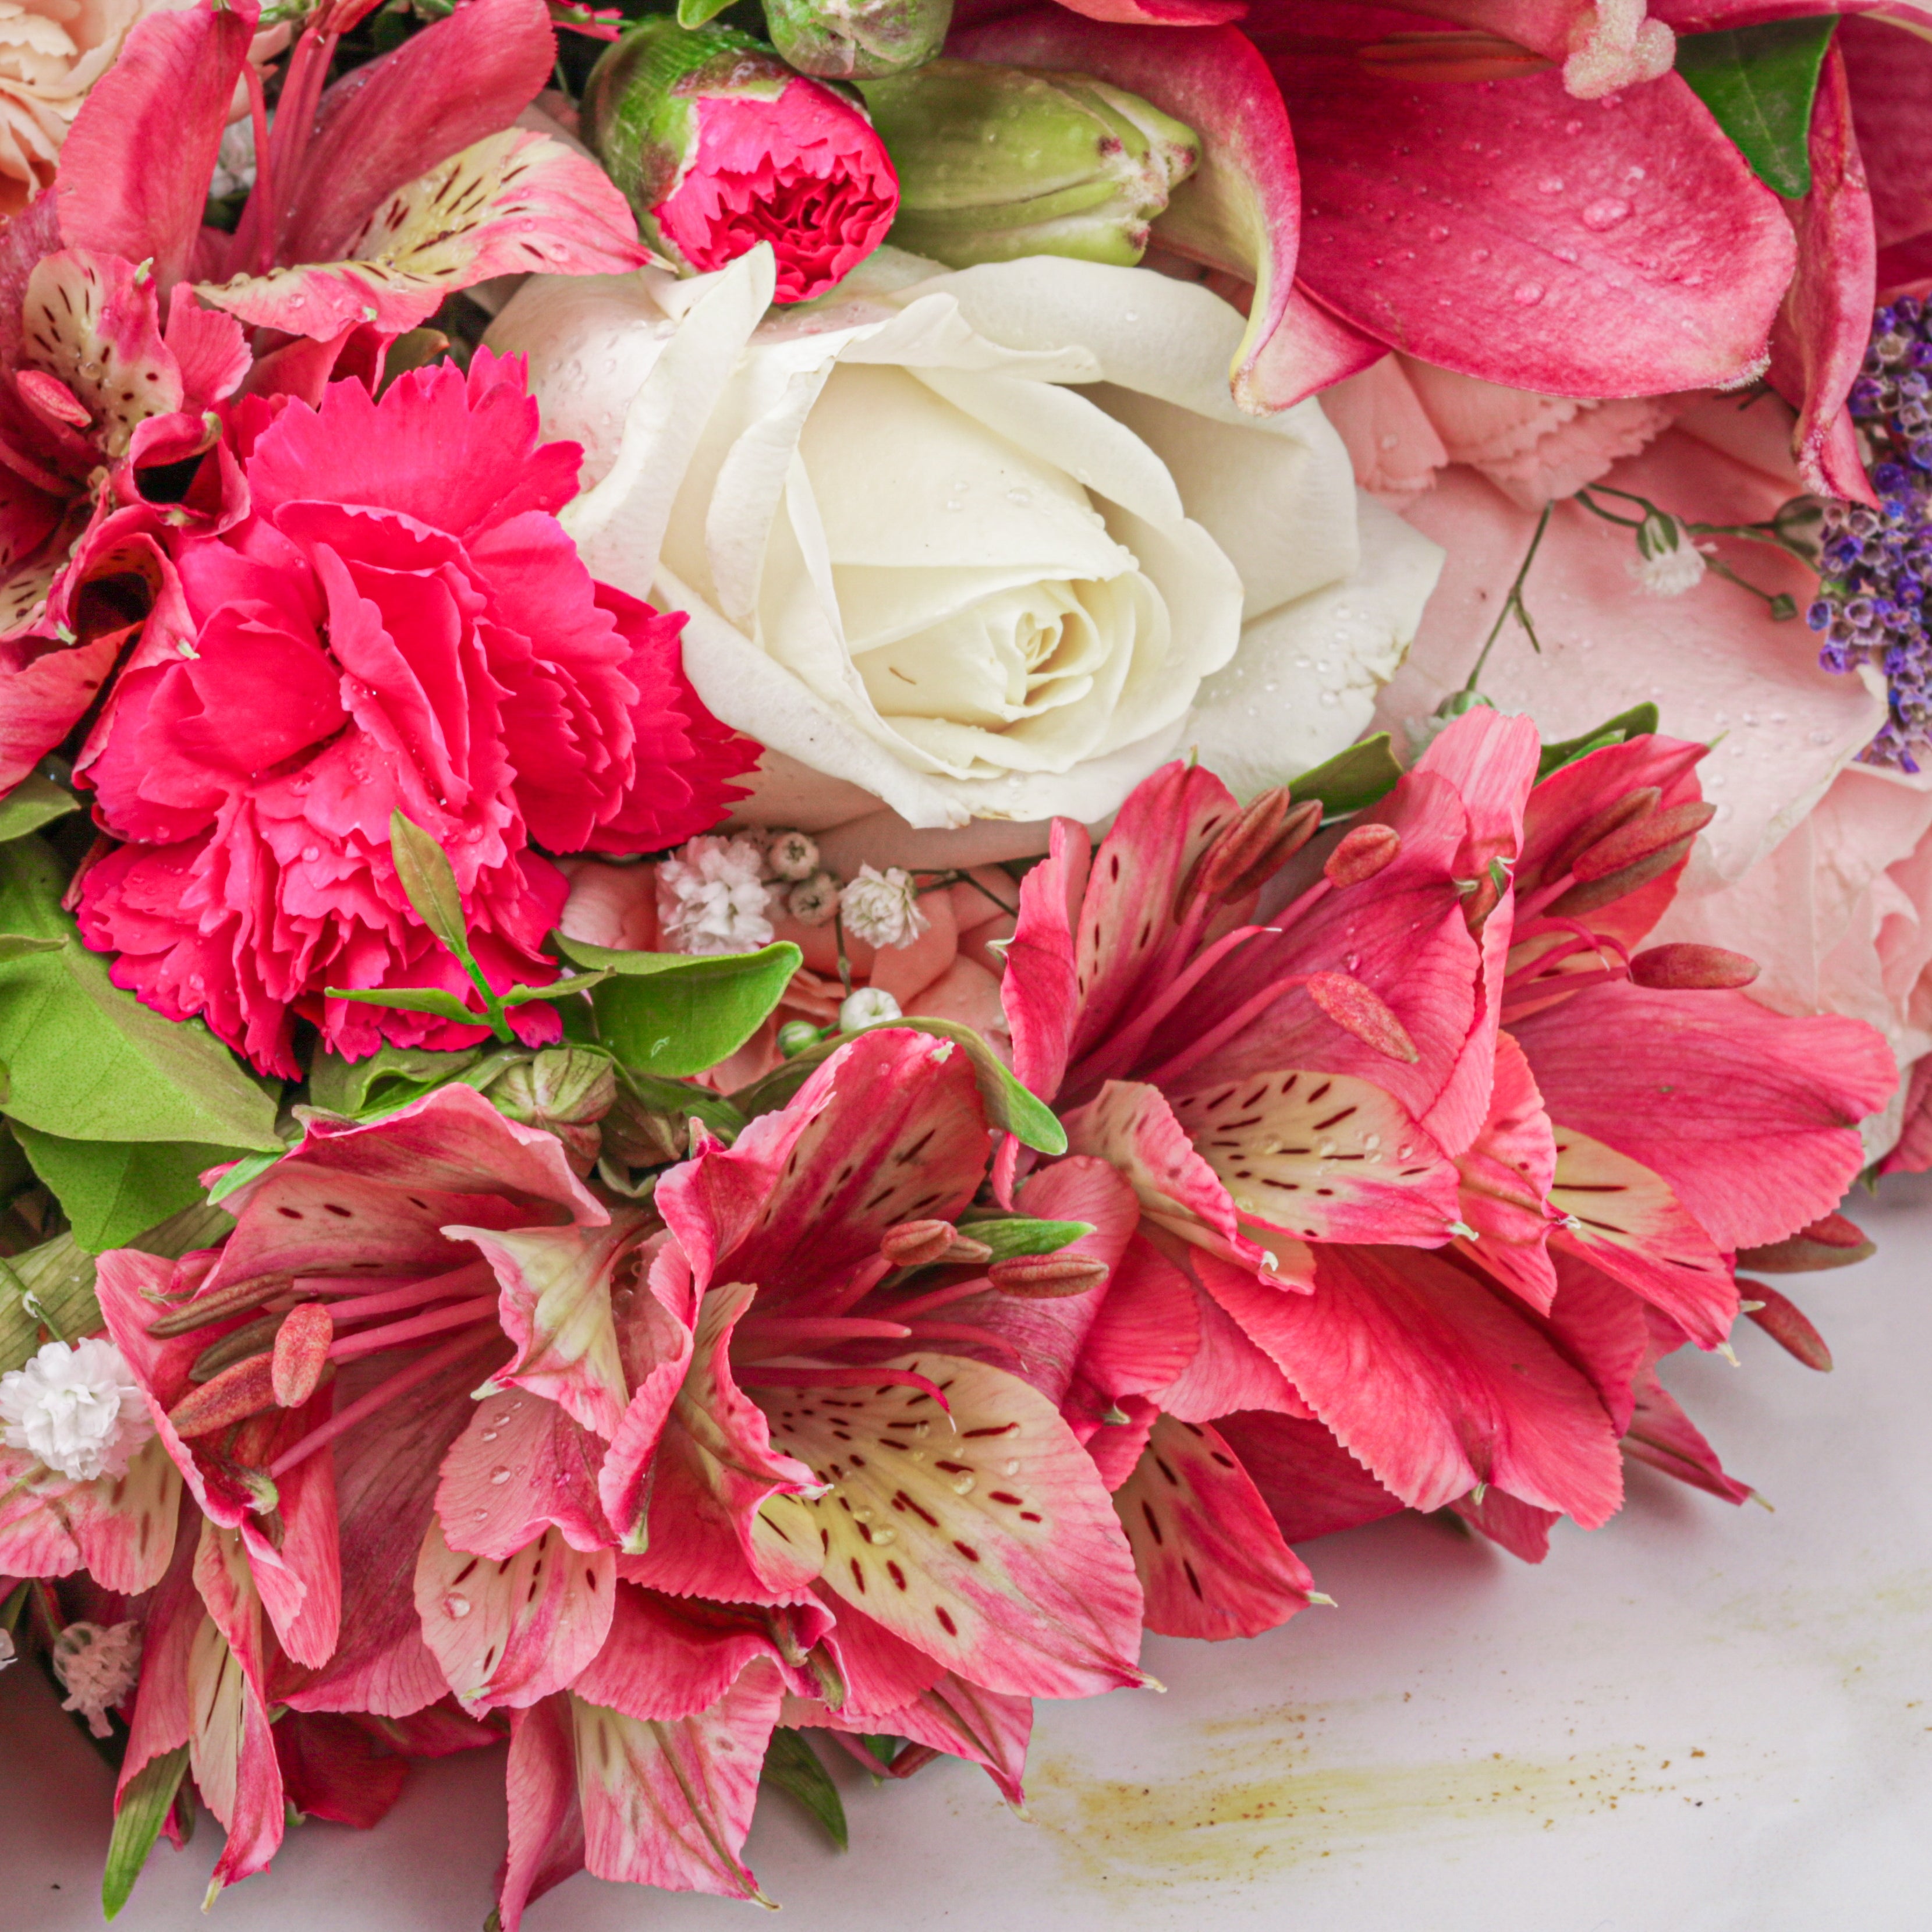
567	1090
857	39
997	162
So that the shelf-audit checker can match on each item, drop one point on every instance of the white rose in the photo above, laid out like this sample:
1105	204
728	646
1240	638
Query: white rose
970	545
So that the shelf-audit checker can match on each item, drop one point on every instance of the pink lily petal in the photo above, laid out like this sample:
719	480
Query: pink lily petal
546	1819
1241	210
889	1128
1313	1485
1520	1528
376	1196
1820	344
1760	1136
1049	1332
522	1465
669	1803
965	1720
516	203
556	1304
49	687
93	322
120	1529
331	1767
1148	1330
208	348
162	1716
1132	1126
1663	1436
1040	988
1209	1556
1623	1219
1506	1172
135	167
1469	226
654	1342
1426	1376
1322	1157
985	1540
1604	1329
386	124
1890	79
1236	1365
385	1477
231	1749
724	1521
298	1574
879	1671
1311	349
510	1632
666	1659
1161	13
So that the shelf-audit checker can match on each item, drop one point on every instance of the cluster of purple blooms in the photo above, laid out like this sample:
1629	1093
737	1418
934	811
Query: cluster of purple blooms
1876	565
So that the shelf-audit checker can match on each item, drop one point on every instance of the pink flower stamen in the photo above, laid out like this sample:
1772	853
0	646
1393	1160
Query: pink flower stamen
371	1341
400	1383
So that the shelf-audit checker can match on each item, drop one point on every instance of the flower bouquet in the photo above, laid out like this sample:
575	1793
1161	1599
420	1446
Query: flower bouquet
842	847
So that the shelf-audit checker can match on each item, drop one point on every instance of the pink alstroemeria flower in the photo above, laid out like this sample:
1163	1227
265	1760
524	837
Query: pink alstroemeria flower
121	316
1366	1206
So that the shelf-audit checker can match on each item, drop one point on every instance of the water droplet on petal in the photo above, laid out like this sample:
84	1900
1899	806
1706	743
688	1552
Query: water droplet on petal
455	1605
964	1485
1551	184
1605	214
1529	294
499	1476
1011	1468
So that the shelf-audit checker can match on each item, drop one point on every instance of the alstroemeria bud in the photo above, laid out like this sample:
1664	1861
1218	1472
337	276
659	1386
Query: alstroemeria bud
856	40
564	1089
998	162
720	146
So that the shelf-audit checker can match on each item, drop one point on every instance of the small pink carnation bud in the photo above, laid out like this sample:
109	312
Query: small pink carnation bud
720	146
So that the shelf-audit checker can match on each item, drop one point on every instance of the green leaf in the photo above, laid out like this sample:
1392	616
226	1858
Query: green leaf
1759	83
59	1275
521	995
144	1810
1639	722
436	1000
1008	1104
681	1100
34	802
423	871
695	14
250	1167
1010	1235
1352	780
86	1061
111	1190
391	1077
23	945
669	1013
793	1766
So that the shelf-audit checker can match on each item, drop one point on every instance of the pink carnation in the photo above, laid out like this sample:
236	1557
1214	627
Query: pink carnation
397	621
805	172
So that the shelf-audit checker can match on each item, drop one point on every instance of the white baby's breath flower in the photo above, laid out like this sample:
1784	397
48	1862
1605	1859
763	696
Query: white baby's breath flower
713	898
791	855
234	161
868	1006
77	1407
97	1666
814	900
882	908
1668	563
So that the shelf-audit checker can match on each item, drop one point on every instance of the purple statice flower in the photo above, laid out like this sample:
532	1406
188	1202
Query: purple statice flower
1874	601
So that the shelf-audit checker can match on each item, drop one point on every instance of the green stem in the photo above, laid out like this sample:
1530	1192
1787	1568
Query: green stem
500	1024
1513	602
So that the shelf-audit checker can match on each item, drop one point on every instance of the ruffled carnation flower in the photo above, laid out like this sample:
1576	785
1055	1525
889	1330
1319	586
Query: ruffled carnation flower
97	1666
713	898
77	1406
398	623
883	907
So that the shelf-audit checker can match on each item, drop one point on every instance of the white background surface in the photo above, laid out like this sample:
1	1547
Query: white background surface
1699	1719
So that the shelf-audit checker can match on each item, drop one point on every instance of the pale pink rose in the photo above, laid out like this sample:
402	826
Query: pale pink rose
1405	421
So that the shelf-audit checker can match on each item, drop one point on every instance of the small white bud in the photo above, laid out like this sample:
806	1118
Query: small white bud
814	900
1667	563
77	1406
868	1006
791	855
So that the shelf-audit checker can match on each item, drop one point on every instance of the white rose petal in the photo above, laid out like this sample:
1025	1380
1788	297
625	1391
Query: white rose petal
965	546
77	1406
